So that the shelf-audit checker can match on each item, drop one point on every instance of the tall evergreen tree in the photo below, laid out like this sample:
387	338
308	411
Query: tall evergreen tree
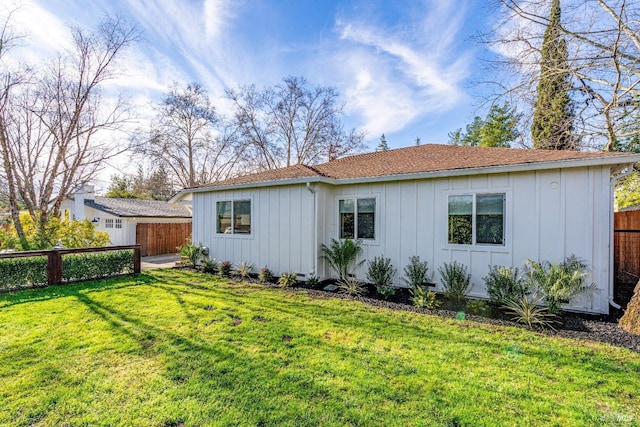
383	146
553	115
498	129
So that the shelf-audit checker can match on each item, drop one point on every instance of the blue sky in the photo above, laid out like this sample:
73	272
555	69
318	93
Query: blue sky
404	68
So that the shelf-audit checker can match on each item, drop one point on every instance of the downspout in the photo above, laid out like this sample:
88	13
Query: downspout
612	183
314	233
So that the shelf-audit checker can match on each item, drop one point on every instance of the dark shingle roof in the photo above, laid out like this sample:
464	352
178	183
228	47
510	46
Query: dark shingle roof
138	207
420	159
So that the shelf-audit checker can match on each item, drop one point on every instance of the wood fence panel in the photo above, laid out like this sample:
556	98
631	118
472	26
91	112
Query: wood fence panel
628	220
160	239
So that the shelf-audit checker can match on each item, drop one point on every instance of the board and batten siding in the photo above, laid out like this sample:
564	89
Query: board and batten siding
282	230
549	215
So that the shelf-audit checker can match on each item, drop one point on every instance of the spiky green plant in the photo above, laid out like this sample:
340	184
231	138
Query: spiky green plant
210	266
193	253
225	268
287	280
559	282
342	256
528	309
244	269
351	286
265	275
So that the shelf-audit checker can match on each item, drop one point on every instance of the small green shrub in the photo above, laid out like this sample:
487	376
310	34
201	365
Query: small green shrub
559	282
225	269
351	286
527	309
265	275
342	256
504	283
192	253
422	298
477	307
456	281
210	266
416	272
245	269
287	280
380	272
313	281
85	266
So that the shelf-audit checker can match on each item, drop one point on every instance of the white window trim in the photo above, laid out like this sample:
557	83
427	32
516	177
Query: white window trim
376	222
118	223
233	235
108	221
505	223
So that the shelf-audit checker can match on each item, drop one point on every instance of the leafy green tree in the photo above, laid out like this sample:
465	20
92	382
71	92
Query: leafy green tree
120	188
498	129
553	115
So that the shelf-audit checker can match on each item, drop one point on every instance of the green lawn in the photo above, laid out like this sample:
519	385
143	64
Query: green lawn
172	348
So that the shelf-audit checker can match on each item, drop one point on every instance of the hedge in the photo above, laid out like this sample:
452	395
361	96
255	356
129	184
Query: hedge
32	271
27	271
95	265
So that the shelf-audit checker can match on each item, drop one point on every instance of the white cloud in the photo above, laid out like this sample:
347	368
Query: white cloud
394	75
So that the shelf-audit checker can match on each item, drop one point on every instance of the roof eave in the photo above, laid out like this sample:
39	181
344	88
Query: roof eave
520	167
179	197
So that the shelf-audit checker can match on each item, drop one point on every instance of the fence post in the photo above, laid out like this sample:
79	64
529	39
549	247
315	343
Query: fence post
54	267
136	259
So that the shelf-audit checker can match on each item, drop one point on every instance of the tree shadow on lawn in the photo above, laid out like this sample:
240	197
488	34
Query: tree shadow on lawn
73	289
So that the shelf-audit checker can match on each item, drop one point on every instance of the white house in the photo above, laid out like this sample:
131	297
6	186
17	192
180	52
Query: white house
129	221
479	206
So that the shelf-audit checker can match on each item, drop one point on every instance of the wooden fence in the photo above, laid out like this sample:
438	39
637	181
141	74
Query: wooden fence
626	253
159	239
54	258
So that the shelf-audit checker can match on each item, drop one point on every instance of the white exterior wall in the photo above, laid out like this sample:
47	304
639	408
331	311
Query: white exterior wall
282	230
118	236
549	215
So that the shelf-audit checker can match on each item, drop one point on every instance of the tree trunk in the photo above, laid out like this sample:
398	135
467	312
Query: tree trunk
630	321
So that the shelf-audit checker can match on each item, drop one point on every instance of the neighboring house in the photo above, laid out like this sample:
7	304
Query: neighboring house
156	225
478	206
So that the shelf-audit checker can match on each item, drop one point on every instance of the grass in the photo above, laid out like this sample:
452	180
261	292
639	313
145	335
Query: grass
171	348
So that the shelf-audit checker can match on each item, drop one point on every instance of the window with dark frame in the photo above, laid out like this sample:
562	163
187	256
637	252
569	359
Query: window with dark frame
357	218
233	217
486	211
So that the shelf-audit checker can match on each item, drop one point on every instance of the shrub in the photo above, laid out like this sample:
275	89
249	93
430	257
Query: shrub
94	265
527	309
456	281
342	256
287	280
423	298
70	234
380	273
313	281
225	268
193	253
265	275
504	283
245	269
210	266
351	286
416	272
559	282
29	271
